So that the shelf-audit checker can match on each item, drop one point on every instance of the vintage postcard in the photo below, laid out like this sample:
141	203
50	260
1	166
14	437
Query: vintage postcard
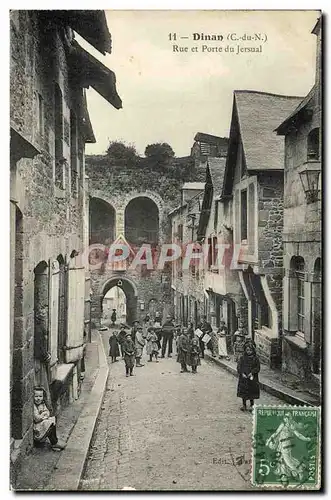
165	235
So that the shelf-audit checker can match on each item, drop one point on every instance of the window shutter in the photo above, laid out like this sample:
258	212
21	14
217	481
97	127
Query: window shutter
308	311
76	305
251	219
54	278
236	222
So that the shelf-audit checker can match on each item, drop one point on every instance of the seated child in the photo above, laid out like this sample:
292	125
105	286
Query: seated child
44	426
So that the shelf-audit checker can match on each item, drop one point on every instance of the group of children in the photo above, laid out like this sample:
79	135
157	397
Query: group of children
188	350
130	346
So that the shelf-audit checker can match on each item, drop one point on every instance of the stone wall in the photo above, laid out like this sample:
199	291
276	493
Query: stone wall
270	236
52	224
270	222
267	348
118	186
300	217
302	237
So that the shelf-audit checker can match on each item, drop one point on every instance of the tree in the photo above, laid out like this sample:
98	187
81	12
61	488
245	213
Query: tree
119	153
159	155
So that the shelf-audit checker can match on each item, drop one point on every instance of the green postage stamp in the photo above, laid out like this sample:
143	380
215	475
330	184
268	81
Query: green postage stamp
286	447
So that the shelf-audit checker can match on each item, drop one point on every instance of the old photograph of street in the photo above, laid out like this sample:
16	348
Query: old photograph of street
166	326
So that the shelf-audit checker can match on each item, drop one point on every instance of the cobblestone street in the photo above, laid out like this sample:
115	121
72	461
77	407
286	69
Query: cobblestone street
163	430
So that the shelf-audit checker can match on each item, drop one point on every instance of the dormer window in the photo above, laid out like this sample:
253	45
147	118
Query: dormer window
313	144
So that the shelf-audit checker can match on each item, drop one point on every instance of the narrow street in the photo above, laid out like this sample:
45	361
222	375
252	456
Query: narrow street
163	430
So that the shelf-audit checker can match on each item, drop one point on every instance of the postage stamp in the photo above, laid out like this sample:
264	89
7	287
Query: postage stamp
286	447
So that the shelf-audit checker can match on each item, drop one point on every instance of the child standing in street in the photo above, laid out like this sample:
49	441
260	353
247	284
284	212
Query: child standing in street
152	347
183	356
139	345
129	354
194	350
248	379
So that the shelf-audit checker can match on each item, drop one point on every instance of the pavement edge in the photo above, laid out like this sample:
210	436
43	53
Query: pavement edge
69	469
286	395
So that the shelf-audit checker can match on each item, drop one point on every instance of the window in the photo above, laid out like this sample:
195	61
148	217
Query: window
244	215
214	250
300	276
317	316
73	154
40	114
252	223
261	312
313	145
264	316
180	232
62	314
210	253
301	303
216	216
58	134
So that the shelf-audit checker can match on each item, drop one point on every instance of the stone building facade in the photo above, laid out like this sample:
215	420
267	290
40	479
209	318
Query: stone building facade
225	297
131	205
254	181
302	284
188	298
192	298
50	286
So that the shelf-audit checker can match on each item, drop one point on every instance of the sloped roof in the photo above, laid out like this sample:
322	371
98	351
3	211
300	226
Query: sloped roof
89	24
87	125
217	170
92	72
214	184
259	113
281	129
209	139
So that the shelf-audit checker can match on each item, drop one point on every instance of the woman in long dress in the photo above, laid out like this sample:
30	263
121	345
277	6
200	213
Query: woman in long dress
114	351
248	376
222	341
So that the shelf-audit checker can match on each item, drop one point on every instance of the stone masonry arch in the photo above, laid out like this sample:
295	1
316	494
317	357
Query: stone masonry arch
154	197
120	202
102	195
102	217
100	288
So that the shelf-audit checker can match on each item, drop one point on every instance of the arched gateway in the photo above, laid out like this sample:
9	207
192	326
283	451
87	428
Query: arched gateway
130	290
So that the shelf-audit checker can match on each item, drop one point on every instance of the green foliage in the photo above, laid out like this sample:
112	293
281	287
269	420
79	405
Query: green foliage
119	153
127	171
161	152
159	157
